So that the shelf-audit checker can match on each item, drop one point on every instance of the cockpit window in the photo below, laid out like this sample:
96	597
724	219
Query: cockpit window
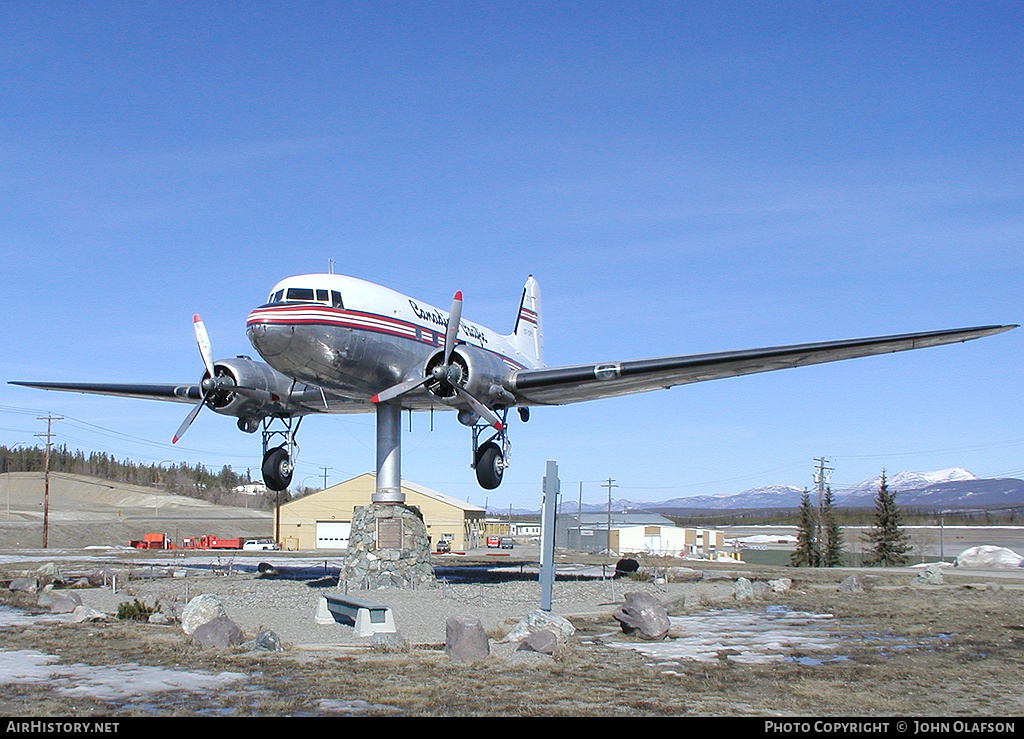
308	295
300	294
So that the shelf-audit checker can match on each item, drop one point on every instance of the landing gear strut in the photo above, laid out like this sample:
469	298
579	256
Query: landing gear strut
279	461
490	458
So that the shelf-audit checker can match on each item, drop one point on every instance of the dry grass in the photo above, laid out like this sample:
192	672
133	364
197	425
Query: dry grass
949	651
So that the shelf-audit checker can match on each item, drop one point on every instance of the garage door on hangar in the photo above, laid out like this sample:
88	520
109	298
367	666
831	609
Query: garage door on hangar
332	534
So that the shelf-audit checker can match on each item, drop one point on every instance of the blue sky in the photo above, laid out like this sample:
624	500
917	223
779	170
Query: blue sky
680	177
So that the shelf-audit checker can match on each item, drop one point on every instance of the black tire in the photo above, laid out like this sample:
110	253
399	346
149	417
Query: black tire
489	466
277	469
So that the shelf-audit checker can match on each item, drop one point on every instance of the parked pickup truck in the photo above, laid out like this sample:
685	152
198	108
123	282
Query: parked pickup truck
264	544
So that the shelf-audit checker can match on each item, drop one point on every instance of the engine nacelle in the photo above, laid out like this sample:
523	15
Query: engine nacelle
482	373
250	391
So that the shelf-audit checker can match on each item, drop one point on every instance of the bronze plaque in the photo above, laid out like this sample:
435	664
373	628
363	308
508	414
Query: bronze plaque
389	533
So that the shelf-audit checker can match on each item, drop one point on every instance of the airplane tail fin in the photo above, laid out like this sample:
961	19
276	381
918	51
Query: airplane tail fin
528	335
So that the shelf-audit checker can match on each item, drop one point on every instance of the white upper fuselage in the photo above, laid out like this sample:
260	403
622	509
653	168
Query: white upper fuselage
358	338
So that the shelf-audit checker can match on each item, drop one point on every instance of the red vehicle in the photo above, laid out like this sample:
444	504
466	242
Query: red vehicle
153	541
210	542
493	542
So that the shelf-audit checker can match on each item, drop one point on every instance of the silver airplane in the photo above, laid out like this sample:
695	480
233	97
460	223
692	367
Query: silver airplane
337	344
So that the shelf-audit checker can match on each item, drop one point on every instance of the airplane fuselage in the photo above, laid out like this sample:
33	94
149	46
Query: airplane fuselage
356	338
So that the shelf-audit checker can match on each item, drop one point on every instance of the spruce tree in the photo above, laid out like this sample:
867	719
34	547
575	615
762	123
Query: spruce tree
890	543
806	553
832	548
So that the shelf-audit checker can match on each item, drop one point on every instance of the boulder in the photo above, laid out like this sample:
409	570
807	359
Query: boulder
83	614
267	641
465	639
747	590
24	585
851	584
642	615
626	566
930	575
540	620
199	610
63	602
544	642
219	633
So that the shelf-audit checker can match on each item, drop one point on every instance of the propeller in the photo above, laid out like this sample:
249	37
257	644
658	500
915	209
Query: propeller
213	382
445	372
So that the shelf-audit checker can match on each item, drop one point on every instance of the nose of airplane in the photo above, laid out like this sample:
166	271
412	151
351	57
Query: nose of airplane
268	340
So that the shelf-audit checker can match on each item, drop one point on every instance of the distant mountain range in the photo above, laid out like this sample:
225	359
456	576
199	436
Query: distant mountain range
955	489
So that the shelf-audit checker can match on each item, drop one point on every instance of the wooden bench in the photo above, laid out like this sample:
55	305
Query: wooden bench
367	617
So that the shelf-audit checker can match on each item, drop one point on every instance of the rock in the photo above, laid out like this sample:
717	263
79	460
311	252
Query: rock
64	602
852	584
744	589
540	620
199	610
159	618
266	570
625	567
24	585
267	641
85	613
642	615
781	585
682	574
392	642
544	642
219	633
465	639
930	575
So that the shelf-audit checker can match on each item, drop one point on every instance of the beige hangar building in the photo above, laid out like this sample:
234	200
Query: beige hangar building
323	520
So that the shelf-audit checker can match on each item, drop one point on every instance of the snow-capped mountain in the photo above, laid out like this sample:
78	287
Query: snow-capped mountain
953	488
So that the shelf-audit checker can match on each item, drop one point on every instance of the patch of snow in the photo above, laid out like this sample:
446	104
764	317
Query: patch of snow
988	556
28	666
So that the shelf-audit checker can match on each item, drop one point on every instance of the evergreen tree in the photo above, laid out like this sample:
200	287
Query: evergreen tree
890	543
806	553
832	549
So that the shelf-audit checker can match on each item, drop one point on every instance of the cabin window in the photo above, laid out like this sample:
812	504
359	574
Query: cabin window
336	299
276	297
321	295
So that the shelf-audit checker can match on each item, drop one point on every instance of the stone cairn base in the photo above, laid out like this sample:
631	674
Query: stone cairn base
387	548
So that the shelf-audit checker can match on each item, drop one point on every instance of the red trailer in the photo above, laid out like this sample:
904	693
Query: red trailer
210	542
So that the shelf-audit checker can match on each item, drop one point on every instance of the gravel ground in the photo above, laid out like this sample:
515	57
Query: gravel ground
288	607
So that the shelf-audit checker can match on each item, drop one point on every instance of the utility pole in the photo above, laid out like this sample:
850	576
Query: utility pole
610	484
821	480
46	467
325	476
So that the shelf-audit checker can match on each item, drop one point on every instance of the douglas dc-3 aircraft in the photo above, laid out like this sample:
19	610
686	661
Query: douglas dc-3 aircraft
337	344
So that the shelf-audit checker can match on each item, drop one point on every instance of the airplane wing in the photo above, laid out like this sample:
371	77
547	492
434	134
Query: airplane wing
571	384
187	393
310	400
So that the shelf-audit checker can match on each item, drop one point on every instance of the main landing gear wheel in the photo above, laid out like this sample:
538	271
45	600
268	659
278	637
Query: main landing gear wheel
277	469
490	466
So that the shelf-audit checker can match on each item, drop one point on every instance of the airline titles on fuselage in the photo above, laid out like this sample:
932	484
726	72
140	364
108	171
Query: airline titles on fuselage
439	319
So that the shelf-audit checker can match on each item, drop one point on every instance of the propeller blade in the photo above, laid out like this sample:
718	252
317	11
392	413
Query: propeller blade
479	408
203	340
400	389
454	319
189	419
